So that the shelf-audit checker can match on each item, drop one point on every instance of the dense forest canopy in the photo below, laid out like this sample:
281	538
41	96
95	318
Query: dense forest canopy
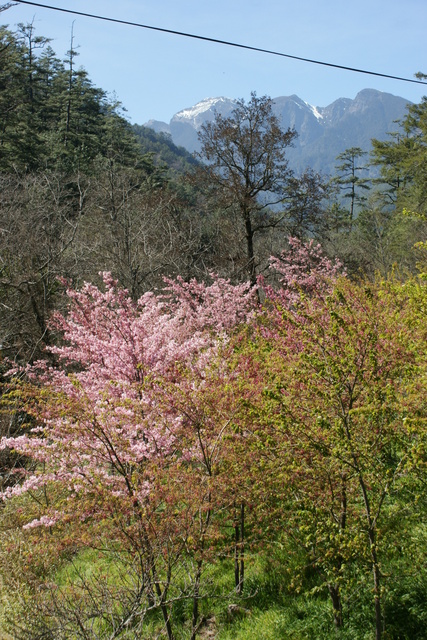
213	373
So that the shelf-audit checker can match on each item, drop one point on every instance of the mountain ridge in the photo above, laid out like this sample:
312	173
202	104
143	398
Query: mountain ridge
323	132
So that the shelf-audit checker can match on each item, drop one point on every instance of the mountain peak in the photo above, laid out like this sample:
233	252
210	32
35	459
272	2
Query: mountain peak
208	104
323	132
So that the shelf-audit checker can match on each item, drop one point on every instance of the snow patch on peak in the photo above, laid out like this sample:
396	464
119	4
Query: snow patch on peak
315	111
201	107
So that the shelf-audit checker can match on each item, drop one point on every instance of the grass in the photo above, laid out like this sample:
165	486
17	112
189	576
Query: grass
270	608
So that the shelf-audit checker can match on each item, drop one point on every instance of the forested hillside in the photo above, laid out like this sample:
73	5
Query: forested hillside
164	151
213	373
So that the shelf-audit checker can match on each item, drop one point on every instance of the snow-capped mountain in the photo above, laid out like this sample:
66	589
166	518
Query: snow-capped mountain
204	111
185	125
323	132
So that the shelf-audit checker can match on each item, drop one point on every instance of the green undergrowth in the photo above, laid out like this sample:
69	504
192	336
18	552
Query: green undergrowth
273	606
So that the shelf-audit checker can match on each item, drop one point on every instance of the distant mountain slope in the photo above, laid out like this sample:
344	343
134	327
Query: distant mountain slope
164	150
323	132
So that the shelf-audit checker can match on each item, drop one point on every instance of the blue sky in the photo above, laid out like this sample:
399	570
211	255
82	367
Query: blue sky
155	74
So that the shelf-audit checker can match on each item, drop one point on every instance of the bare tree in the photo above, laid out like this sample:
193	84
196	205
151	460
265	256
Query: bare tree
246	168
39	218
7	6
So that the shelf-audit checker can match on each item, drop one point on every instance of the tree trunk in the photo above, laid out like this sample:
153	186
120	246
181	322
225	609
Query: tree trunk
239	551
374	560
377	592
336	604
195	616
250	246
161	595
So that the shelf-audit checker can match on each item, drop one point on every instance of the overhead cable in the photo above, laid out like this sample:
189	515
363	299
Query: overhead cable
218	41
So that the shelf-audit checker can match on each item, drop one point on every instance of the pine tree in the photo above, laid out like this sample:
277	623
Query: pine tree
350	179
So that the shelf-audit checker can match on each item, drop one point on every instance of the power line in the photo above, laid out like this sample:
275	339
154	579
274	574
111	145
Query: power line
217	41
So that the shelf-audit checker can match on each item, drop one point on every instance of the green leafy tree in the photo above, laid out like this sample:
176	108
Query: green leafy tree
341	428
402	160
402	163
390	156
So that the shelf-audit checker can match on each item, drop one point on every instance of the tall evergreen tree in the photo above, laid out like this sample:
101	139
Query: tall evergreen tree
403	160
351	179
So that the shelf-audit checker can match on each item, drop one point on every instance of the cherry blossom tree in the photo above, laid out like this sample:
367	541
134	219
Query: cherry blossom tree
136	435
112	444
302	268
185	426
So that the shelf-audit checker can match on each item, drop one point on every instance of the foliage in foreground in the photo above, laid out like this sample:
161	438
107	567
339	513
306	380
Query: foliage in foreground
178	438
